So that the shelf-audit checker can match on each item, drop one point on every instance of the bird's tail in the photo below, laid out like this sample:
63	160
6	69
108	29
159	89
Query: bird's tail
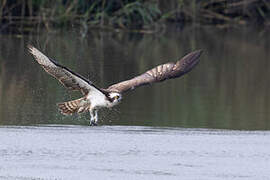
71	107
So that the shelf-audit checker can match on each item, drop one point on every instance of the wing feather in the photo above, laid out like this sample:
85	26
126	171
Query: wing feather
160	73
70	79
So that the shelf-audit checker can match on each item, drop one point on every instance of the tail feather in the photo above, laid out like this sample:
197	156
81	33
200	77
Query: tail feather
70	107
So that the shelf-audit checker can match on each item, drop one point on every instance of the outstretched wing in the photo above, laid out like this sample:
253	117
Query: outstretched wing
160	73
69	79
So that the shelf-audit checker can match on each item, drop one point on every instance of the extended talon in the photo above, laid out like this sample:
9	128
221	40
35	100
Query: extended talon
93	118
93	124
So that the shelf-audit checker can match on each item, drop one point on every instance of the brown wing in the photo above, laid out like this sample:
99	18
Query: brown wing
69	79
160	73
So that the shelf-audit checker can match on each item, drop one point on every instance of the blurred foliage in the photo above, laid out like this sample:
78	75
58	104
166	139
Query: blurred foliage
131	14
125	14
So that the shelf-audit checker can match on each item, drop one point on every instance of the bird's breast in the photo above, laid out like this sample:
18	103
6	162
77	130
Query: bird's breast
96	100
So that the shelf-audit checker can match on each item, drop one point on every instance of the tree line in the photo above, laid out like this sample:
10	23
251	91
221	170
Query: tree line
131	14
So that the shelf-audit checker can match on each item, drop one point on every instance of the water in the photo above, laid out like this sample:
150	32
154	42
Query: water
132	152
164	131
228	89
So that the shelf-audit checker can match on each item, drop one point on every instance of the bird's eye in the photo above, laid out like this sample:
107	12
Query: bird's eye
116	97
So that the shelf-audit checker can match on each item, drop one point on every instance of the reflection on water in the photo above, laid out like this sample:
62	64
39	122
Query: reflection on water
228	89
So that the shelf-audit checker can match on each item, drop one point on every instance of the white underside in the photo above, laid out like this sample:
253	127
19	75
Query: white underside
97	100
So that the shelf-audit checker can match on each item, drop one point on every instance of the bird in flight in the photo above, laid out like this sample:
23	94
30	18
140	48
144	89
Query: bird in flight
94	97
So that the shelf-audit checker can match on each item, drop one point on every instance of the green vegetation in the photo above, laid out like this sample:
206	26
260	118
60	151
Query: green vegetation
130	14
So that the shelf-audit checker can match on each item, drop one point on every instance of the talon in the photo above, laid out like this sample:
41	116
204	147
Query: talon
93	118
93	124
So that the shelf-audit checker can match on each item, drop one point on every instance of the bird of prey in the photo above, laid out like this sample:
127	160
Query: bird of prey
94	97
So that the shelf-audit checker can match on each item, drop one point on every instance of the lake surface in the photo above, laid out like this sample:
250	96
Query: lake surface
132	152
212	123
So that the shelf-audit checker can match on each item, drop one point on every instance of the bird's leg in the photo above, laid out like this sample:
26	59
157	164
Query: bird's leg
92	119
96	117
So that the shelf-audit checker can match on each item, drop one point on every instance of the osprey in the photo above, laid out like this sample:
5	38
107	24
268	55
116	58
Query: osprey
95	97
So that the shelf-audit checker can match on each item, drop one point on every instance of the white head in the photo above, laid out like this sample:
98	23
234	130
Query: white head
115	98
